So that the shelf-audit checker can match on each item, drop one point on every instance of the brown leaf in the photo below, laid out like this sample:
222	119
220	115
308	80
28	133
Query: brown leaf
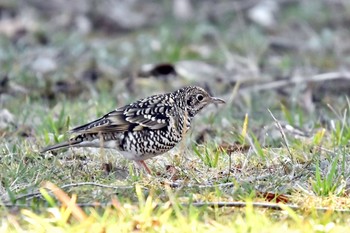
273	197
172	172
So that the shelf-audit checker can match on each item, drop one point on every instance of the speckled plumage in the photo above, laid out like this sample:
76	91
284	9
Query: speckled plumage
145	128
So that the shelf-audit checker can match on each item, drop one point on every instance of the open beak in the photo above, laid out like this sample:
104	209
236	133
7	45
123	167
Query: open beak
216	100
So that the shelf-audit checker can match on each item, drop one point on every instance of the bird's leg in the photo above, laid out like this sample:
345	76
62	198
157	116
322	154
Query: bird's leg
142	163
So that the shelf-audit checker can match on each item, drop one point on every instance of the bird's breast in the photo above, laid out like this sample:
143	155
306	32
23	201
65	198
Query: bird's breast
150	142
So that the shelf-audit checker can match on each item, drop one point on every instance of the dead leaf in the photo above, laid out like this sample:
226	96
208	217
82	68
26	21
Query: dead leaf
273	197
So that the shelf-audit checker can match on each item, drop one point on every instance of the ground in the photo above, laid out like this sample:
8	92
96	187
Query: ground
274	158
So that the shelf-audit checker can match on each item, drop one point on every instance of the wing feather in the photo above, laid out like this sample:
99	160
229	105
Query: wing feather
131	117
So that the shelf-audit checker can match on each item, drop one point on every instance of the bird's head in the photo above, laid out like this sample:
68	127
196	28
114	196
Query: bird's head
196	98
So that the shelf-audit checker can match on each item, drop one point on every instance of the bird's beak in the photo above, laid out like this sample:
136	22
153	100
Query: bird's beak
216	100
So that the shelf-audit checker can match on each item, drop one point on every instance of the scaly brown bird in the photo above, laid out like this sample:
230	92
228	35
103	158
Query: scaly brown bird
145	128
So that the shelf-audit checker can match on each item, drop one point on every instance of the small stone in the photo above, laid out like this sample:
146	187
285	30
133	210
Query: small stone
6	118
44	65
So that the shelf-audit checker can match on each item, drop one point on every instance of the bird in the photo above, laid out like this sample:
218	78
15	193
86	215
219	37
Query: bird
145	128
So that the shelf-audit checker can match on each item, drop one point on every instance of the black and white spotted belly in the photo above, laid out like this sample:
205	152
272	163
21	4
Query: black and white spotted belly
148	143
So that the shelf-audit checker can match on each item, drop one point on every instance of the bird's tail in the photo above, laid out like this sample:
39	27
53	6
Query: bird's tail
60	145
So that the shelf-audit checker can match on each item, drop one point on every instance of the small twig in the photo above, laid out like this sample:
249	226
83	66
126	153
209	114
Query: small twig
240	204
229	184
229	166
251	143
172	185
98	185
283	135
297	80
35	194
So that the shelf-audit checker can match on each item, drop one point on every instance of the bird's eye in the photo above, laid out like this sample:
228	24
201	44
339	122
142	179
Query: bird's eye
200	97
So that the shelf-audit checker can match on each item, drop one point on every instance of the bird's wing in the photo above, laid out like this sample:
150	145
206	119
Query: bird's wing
132	117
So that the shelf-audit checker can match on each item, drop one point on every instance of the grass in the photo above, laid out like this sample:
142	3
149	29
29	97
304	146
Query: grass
234	153
154	215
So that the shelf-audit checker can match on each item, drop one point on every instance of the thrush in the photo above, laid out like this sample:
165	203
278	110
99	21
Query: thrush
145	128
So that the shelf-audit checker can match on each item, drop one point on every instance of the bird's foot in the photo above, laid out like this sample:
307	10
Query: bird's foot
142	164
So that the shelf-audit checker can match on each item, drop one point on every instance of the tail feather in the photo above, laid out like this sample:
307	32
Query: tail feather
83	140
85	126
59	146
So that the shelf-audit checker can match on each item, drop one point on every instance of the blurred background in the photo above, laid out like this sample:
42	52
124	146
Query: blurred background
91	56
